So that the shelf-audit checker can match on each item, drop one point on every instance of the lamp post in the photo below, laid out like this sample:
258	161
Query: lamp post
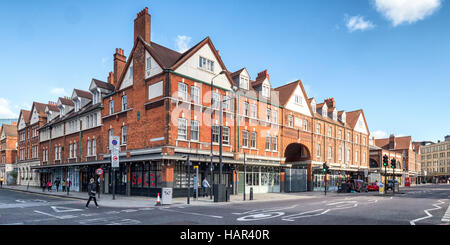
245	173
211	121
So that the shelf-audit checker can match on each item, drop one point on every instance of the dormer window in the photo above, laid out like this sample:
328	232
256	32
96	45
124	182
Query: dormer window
335	115
96	97
324	111
77	105
313	106
243	82
265	90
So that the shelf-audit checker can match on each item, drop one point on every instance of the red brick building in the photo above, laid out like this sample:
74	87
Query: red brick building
8	148
408	165
165	105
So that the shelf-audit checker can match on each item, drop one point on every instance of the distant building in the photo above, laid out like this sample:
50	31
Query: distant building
8	151
435	160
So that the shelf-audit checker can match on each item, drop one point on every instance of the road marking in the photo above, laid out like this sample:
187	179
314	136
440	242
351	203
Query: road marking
446	217
206	215
54	216
129	210
20	223
413	222
302	215
145	209
260	216
64	209
265	210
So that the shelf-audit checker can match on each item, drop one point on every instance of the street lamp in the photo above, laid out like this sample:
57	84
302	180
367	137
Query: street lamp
211	154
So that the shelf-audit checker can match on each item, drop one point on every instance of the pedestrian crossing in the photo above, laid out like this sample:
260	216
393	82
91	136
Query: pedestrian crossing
446	217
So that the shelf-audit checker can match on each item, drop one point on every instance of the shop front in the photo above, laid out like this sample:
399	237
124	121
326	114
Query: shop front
262	179
334	179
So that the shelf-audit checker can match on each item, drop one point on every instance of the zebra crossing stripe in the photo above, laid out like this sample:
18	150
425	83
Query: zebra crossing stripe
446	217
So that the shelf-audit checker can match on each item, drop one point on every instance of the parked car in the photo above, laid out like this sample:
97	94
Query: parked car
373	187
359	185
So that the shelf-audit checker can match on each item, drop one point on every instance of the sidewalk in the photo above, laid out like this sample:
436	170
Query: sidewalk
122	201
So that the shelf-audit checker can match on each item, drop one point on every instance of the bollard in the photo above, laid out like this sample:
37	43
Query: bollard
251	193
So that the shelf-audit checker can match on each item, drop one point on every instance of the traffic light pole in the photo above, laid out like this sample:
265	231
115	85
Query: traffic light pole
326	183
393	181
385	180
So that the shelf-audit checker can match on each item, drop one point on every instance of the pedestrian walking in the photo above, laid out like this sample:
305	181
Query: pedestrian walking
43	185
63	185
68	185
57	184
1	182
92	187
205	186
49	185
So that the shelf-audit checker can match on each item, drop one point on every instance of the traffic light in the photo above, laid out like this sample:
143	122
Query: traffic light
325	167
393	163
385	160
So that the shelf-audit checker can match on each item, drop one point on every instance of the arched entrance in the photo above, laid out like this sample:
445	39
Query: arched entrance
297	152
298	178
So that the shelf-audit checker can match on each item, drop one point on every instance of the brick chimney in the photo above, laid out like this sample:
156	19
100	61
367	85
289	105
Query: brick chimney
142	25
330	103
119	64
111	78
391	142
263	75
14	123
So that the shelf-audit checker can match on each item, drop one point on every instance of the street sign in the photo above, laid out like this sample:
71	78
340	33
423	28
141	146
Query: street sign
115	149
99	171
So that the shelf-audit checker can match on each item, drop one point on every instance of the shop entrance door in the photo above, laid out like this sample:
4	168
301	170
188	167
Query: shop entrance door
296	180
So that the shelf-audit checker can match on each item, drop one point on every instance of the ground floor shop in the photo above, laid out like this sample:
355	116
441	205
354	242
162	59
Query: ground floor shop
147	177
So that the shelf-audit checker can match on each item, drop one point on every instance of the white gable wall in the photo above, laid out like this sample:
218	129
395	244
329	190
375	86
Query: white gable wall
128	79
361	126
22	123
154	67
300	108
191	68
34	116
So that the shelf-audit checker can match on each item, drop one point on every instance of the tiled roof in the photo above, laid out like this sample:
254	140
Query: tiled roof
26	115
10	130
352	117
65	101
104	85
84	94
286	91
400	143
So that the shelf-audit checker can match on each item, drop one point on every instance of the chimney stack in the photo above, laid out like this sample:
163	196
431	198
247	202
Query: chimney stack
111	78
119	64
262	75
330	103
142	25
391	142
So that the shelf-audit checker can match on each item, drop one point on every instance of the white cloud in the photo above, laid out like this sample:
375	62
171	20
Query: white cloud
379	134
182	43
58	91
358	23
5	109
406	11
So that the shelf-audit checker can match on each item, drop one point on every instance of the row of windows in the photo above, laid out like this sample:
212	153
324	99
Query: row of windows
124	105
271	142
340	150
436	155
430	149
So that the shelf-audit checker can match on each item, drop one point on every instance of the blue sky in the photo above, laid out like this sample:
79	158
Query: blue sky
389	57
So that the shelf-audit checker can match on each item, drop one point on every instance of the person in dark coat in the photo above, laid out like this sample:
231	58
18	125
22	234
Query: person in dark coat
92	190
57	184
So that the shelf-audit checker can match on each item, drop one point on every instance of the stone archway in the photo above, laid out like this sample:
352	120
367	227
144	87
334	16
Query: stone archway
297	152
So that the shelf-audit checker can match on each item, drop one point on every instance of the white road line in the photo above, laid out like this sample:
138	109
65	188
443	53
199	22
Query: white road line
58	217
206	215
266	210
413	222
446	217
129	210
20	223
302	215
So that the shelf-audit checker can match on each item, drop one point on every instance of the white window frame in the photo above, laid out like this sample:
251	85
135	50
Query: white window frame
182	90
124	102
195	94
124	134
195	130
111	107
245	138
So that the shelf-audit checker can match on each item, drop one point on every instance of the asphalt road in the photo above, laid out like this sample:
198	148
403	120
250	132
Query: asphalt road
422	205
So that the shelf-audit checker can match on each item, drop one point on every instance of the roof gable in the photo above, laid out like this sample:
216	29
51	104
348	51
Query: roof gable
287	98
189	65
